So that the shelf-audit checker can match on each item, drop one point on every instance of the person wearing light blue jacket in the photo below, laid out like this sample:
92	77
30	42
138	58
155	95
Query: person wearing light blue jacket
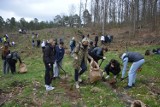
137	61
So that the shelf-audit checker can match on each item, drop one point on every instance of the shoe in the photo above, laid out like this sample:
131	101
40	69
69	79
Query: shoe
127	87
107	76
133	85
77	85
103	73
49	88
79	80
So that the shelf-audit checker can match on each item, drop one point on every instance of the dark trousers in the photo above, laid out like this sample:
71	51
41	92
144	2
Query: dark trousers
96	42
78	73
48	74
12	65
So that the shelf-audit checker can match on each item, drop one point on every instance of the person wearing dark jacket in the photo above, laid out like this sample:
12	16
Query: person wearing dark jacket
96	41
72	45
49	54
58	58
12	60
113	67
98	53
5	52
137	61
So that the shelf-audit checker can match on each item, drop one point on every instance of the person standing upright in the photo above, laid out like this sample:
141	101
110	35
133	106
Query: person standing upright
5	52
49	54
72	45
96	41
80	60
58	58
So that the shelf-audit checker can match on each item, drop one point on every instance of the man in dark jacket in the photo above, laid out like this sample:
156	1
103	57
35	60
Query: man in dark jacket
12	60
137	61
98	53
96	41
49	54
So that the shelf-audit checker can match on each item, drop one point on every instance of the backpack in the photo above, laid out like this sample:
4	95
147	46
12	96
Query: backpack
12	55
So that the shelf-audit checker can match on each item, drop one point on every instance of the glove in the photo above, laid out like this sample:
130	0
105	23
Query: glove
49	65
76	57
104	58
103	73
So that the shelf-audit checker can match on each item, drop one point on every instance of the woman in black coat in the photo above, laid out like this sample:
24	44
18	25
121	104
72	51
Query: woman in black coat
113	67
48	58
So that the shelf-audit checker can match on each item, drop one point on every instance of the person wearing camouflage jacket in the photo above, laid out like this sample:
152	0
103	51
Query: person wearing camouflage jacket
80	59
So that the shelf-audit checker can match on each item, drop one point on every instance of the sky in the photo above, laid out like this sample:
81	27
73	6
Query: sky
43	10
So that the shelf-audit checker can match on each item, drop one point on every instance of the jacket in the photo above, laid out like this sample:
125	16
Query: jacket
80	53
59	53
49	54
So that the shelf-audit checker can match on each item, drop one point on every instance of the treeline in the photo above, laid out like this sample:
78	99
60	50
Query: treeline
136	13
100	14
13	25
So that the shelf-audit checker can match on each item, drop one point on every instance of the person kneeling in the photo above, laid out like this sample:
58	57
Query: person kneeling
113	67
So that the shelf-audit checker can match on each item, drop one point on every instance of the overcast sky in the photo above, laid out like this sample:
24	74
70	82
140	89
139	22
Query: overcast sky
43	10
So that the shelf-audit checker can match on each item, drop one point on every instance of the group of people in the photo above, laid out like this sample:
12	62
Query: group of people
82	52
85	50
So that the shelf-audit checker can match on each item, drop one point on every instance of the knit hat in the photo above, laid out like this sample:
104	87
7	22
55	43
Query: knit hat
124	54
85	40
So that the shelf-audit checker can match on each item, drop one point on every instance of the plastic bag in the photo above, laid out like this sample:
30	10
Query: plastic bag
22	68
95	73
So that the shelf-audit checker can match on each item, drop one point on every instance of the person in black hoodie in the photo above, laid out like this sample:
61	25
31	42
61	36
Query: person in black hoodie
49	54
113	67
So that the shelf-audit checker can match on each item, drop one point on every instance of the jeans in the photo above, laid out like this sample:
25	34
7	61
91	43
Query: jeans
132	72
72	48
81	71
5	67
56	68
48	74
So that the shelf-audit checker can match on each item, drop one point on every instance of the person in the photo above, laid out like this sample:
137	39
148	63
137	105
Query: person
49	54
12	60
33	43
98	53
113	67
1	40
80	60
151	52
137	61
5	52
96	41
38	43
156	51
58	58
72	45
102	39
90	48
